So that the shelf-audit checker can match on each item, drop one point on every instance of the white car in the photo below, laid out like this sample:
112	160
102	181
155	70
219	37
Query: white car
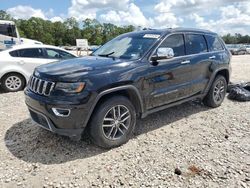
248	48
18	63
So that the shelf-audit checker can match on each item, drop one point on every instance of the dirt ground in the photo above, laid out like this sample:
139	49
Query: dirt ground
207	147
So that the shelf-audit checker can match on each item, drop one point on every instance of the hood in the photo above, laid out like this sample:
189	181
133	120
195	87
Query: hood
74	69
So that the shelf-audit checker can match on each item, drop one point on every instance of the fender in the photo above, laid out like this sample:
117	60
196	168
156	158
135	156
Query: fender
108	91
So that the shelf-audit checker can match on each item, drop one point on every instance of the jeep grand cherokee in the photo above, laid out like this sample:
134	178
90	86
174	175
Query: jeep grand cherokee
129	77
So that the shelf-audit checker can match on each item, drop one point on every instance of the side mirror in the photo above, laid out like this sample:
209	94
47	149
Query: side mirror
163	53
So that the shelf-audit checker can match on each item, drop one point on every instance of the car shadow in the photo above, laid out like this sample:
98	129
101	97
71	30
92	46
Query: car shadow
1	90
33	144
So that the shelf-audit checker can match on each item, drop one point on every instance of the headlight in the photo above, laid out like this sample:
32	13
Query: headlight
70	87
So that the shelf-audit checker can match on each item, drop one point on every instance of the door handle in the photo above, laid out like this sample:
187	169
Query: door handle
185	62
212	57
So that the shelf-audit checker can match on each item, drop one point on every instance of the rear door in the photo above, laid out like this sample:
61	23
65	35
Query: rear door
218	54
28	59
197	50
170	79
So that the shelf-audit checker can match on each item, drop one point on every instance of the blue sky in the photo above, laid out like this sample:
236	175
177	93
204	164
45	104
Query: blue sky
59	6
223	16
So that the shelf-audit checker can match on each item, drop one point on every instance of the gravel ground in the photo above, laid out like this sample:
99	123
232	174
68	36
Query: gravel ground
206	147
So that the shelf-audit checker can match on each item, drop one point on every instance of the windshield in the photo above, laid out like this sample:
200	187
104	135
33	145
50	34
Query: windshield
129	47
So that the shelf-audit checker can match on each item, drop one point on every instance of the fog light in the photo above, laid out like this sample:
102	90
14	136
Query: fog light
61	112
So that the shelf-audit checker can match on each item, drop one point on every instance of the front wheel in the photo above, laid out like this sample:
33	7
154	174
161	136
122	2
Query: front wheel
113	122
13	82
217	92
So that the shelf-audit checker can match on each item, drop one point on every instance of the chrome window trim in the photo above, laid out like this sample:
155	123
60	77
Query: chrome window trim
179	57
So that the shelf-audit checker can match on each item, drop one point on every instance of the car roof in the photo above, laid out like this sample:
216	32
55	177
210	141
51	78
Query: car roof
24	46
195	30
7	22
173	30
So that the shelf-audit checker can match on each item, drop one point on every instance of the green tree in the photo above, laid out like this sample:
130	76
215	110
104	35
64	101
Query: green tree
5	16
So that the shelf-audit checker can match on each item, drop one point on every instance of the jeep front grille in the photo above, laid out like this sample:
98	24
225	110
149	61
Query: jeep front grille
41	87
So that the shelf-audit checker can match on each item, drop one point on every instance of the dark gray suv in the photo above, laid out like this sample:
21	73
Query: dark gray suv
130	77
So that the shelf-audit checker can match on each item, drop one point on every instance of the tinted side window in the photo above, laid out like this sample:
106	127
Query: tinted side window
195	44
214	43
58	54
31	53
176	42
14	53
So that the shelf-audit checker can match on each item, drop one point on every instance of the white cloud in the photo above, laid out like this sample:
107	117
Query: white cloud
82	9
132	15
232	19
223	16
56	19
25	12
166	20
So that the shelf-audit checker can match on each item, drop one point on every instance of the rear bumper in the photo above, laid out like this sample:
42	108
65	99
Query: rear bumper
42	113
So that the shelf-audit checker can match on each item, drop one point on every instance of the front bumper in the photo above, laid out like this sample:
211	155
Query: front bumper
41	112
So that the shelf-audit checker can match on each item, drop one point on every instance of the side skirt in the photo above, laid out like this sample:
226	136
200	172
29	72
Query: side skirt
144	115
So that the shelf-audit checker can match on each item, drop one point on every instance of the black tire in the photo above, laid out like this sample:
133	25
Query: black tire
18	81
216	93
100	134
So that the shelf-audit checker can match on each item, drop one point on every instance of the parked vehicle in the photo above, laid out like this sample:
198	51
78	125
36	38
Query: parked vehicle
18	63
239	50
232	47
9	36
248	48
131	76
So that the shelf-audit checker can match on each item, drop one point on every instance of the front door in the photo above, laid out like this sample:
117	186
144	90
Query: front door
171	79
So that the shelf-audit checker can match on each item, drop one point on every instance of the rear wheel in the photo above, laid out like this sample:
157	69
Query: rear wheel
217	92
113	122
13	82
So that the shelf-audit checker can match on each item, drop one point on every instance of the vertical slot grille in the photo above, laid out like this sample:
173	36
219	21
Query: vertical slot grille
41	87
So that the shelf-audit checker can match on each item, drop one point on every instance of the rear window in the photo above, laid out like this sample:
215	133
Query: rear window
195	44
214	43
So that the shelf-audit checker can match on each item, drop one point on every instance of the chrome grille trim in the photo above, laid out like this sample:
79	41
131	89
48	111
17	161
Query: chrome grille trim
41	87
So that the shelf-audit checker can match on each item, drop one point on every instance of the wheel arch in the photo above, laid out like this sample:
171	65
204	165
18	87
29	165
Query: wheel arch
225	73
129	91
222	71
14	72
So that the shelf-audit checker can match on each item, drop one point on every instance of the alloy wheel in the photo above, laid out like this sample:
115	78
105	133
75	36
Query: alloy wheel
219	91
13	83
116	122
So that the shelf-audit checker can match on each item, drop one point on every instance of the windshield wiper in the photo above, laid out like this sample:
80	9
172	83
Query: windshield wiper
106	55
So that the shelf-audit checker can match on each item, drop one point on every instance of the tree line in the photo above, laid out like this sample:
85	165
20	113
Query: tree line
65	33
236	39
